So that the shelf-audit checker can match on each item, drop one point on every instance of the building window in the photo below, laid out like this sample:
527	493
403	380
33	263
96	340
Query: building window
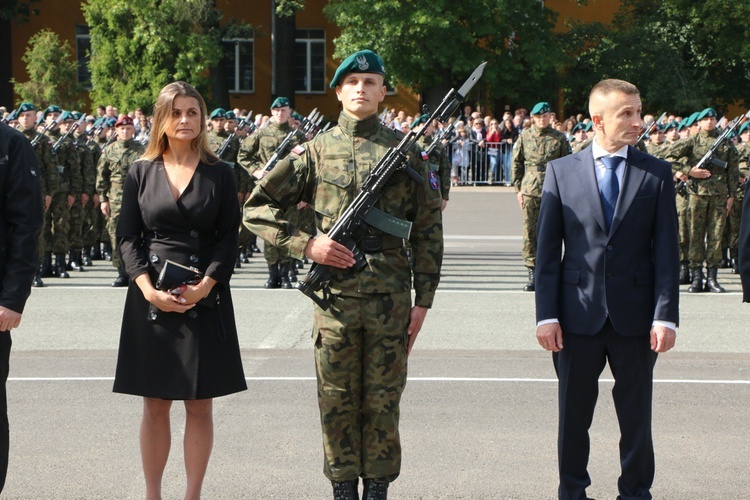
83	51
238	58
310	61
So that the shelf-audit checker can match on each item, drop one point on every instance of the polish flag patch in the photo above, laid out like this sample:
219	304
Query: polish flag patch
424	156
298	150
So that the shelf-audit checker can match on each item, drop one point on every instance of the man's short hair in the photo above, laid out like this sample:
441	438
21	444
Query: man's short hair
605	87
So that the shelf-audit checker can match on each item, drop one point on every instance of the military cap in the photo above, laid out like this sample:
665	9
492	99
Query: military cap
745	126
66	115
230	115
13	116
578	127
691	119
364	61
420	120
26	106
297	116
589	126
218	113
671	125
110	122
706	113
541	108
76	115
52	109
280	102
124	120
100	122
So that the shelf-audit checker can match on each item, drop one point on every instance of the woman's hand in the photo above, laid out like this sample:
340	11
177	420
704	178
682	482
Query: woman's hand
166	302
194	293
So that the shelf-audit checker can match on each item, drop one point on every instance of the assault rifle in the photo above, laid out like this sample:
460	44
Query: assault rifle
40	135
240	126
68	134
308	126
6	118
320	131
362	209
383	116
709	156
112	138
650	127
439	136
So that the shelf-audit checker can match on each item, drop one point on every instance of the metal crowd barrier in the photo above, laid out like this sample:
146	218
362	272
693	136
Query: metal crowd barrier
472	165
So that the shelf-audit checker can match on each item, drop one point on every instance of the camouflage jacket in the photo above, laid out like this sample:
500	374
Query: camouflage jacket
580	146
49	177
88	166
658	150
67	164
113	168
685	154
439	163
743	155
216	140
258	148
328	173
532	151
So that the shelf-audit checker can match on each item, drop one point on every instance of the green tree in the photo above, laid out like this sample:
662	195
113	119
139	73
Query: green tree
11	11
52	73
140	46
431	46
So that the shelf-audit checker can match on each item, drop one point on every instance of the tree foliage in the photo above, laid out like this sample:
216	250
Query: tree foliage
683	55
16	10
426	44
52	72
140	46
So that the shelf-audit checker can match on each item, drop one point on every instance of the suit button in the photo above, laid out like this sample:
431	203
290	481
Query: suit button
154	258
609	248
194	234
192	314
194	259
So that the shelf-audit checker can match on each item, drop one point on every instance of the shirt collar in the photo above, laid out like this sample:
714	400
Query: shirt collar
598	151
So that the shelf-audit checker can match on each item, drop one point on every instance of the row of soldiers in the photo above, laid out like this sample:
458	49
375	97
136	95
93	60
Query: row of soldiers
709	198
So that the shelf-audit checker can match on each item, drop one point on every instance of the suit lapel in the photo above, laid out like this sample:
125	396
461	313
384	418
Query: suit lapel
633	177
587	176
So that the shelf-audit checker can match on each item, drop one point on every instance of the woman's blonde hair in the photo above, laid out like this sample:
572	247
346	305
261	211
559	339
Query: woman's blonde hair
158	140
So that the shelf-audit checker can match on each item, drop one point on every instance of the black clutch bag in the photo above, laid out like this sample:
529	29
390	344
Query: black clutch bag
173	275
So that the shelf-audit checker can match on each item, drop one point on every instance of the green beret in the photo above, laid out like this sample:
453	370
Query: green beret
13	116
707	113
364	61
589	126
76	115
280	102
26	106
110	122
671	125
745	126
420	120
230	115
297	116
100	122
52	109
579	126
218	113
541	108
691	119
66	115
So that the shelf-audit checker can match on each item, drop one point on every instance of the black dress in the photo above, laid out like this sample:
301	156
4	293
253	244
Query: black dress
192	355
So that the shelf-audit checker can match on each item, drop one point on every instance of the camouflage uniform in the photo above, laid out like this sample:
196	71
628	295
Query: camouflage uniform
440	163
87	175
100	222
110	175
707	197
743	152
255	152
578	146
70	182
360	341
532	151
89	236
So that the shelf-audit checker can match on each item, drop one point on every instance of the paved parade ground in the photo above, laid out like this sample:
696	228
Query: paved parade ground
479	415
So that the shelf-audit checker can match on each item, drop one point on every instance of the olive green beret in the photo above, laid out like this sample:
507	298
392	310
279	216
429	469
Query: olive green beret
420	120
707	113
26	106
110	122
541	108
218	113
13	116
691	119
66	115
745	126
364	61
280	102
579	126
297	116
671	125
52	109
76	115
100	122
230	115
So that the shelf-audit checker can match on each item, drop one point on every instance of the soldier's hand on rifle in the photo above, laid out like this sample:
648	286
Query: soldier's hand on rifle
680	176
699	173
259	174
324	250
104	207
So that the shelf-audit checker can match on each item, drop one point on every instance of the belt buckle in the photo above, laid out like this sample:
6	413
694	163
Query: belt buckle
371	244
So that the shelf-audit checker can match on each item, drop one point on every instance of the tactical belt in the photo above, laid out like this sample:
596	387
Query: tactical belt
536	169
370	243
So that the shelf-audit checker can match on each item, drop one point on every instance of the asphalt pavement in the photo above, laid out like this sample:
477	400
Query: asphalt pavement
478	416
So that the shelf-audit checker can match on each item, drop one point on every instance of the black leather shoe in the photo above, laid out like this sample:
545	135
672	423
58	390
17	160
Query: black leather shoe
345	490
531	285
375	490
37	283
121	280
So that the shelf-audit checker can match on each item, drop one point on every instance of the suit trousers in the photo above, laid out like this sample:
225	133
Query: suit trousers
5	343
579	365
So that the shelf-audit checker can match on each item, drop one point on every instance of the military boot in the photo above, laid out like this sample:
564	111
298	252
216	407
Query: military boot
712	283
293	271
86	256
684	274
96	252
74	260
60	268
299	264
122	278
697	285
107	251
238	262
284	275
37	283
273	276
46	270
735	262
375	490
531	285
725	260
345	490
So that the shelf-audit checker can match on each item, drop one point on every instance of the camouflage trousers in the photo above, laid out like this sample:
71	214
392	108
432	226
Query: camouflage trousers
732	229
75	239
530	219
707	220
360	360
89	231
57	224
114	216
683	221
272	253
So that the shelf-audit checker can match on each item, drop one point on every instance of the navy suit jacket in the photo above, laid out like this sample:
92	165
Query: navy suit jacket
744	250
585	274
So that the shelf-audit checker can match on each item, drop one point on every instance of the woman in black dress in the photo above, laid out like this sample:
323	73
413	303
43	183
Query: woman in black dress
179	203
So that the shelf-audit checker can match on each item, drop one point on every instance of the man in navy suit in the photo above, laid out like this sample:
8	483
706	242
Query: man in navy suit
744	246
607	286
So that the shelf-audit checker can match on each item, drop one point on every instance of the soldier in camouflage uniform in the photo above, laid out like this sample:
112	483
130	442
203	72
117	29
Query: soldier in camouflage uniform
69	169
102	246
743	154
437	158
362	340
111	172
48	177
711	194
255	152
672	135
534	148
89	154
579	136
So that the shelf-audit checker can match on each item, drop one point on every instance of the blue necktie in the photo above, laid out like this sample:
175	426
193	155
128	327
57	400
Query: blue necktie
610	187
